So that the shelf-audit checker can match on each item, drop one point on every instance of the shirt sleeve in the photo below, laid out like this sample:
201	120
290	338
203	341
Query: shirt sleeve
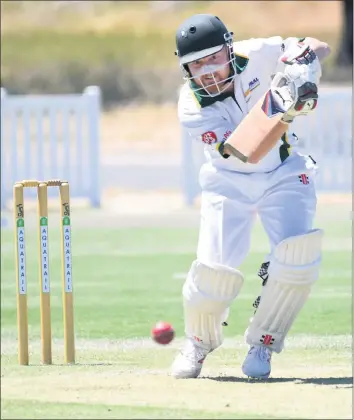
271	49
287	42
285	45
205	125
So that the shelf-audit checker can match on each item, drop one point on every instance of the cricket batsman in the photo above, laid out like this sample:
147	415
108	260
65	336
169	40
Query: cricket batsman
224	81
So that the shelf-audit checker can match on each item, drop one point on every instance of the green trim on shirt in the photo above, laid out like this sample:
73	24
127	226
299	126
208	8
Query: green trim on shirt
284	149
204	101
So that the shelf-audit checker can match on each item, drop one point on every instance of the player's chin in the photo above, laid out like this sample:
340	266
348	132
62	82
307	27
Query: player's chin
216	88
212	88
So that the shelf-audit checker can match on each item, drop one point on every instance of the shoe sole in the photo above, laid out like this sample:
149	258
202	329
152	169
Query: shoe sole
266	376
185	376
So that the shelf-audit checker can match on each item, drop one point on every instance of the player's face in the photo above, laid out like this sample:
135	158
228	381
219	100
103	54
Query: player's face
210	72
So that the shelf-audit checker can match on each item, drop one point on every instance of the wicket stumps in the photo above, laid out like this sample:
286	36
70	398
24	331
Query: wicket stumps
21	275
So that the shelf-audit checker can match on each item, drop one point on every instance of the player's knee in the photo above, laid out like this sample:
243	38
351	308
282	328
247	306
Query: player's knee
298	227
298	258
211	289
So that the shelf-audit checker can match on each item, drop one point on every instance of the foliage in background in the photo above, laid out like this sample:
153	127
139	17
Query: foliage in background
127	48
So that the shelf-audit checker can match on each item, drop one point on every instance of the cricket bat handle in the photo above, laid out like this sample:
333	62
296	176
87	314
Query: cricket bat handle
232	151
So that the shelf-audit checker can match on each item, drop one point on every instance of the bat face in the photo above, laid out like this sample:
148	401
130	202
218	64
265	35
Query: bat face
258	132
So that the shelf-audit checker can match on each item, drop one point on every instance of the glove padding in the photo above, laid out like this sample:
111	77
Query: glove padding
294	100
299	53
301	64
298	81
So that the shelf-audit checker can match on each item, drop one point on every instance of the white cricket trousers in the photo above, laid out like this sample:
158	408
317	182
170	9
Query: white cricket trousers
285	200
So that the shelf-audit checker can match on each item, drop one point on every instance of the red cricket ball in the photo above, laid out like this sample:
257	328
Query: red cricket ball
163	333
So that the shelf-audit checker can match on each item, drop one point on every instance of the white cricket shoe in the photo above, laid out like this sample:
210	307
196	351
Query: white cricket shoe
257	362
189	362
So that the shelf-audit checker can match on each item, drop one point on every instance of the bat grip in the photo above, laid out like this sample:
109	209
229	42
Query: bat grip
220	147
230	150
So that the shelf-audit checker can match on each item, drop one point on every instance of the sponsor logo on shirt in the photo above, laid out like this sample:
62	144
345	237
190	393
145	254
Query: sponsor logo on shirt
304	179
209	137
251	86
227	135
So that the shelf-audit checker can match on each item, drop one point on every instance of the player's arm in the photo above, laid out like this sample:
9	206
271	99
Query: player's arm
293	92
301	68
204	125
302	59
320	48
268	120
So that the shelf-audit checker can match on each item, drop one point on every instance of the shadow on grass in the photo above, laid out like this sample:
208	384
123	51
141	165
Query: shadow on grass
343	380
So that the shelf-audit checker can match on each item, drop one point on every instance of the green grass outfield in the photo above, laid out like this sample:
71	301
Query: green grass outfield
126	279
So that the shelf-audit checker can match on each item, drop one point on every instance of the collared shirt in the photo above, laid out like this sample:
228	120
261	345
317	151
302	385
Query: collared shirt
212	120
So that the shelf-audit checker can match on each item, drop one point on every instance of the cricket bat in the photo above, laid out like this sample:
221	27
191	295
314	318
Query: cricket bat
258	132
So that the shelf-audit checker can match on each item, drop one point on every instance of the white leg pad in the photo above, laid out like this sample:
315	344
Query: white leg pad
207	295
294	267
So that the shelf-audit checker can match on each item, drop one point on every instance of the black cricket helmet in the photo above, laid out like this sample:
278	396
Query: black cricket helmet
200	36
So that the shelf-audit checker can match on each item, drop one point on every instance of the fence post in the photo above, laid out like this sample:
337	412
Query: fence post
3	167
93	94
